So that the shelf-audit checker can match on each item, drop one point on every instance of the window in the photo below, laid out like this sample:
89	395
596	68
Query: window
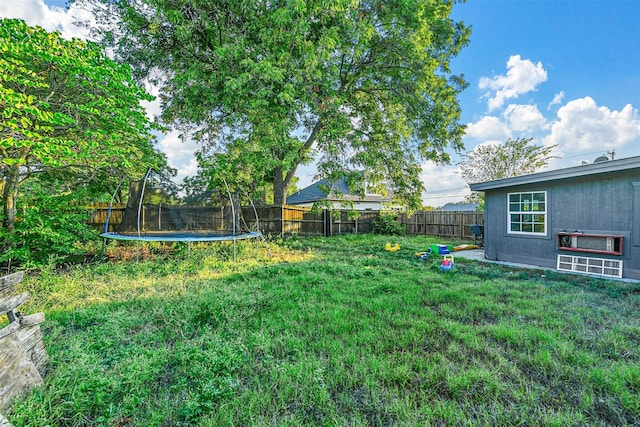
596	243
588	265
527	213
370	190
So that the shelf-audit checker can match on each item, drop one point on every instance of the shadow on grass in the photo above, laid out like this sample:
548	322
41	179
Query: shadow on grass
338	332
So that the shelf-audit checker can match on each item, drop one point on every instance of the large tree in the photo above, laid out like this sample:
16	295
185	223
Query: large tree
357	84
67	111
488	162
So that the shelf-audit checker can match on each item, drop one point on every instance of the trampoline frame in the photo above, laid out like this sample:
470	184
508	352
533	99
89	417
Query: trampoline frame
179	236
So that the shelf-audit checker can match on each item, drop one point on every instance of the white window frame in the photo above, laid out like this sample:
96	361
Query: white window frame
366	189
522	212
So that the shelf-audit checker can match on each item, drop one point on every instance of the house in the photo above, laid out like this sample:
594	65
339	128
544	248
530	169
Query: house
582	219
316	192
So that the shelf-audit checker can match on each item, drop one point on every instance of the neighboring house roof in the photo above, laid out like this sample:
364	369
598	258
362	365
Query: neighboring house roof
461	207
593	169
314	193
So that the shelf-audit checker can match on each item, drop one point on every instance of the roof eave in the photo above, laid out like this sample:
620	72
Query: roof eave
612	166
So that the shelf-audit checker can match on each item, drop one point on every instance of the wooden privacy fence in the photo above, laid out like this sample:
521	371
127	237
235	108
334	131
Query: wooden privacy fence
442	224
23	358
99	216
295	220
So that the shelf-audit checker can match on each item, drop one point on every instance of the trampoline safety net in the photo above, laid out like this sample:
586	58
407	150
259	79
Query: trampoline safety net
154	209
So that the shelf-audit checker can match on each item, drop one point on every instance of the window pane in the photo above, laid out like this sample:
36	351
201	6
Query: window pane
516	218
515	226
527	218
514	207
538	197
538	228
527	227
514	198
538	218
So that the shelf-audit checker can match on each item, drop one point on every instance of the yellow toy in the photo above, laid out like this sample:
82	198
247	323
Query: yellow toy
391	248
465	247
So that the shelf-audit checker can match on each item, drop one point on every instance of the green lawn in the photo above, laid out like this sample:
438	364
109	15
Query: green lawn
333	332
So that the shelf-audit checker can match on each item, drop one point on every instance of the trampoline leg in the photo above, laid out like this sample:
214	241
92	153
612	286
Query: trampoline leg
137	252
189	248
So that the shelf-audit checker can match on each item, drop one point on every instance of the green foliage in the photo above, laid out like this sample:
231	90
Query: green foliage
358	85
239	169
68	110
513	158
387	223
49	229
332	331
66	101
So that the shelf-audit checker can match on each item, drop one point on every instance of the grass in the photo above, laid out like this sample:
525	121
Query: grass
332	332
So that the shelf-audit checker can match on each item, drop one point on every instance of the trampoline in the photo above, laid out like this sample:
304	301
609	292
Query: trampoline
155	212
181	237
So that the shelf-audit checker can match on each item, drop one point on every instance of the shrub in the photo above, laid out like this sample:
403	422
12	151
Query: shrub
48	229
388	224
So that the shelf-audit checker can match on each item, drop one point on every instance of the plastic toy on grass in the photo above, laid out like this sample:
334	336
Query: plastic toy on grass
439	249
423	255
391	248
465	247
447	263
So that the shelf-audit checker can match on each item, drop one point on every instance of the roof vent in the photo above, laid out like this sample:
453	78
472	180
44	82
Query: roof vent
602	158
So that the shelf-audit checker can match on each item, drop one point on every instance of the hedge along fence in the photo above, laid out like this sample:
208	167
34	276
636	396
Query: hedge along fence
296	220
23	357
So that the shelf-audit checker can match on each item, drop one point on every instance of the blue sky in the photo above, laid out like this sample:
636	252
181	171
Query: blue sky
563	72
589	48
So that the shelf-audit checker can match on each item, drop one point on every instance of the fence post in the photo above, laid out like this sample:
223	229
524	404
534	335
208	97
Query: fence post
328	223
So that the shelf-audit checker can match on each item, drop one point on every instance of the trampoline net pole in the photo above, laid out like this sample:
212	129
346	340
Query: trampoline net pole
144	185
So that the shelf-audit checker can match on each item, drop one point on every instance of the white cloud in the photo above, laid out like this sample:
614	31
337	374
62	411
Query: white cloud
523	117
488	128
557	99
582	126
443	184
36	12
179	153
522	76
153	108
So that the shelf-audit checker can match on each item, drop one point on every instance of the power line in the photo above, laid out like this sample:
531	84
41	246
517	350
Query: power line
447	189
444	196
581	155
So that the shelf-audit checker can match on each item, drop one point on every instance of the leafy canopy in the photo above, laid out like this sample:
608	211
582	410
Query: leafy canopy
357	85
488	162
64	103
70	119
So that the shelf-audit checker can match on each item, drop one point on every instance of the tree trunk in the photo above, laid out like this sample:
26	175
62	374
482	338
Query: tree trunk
279	188
281	184
9	195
